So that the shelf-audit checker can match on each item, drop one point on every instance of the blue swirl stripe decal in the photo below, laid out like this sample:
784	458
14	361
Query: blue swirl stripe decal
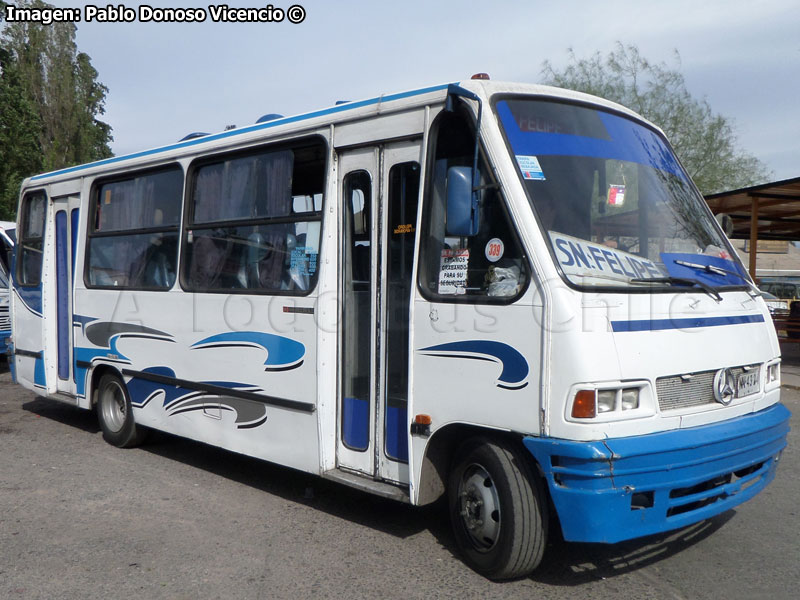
82	321
106	333
282	353
142	391
31	298
177	399
515	367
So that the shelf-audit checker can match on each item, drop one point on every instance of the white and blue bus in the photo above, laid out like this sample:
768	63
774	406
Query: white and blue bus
509	295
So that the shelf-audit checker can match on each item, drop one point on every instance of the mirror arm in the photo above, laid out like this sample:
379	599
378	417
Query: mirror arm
476	177
457	90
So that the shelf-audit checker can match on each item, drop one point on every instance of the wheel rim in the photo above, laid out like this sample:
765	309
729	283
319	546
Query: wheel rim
113	406
479	507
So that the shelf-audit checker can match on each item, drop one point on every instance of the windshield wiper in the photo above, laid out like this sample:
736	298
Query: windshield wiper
671	280
680	281
717	271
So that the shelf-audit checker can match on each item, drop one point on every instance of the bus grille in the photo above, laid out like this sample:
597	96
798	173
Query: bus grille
5	319
681	391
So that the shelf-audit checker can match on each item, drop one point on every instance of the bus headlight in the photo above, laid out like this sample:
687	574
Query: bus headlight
630	398
605	403
606	400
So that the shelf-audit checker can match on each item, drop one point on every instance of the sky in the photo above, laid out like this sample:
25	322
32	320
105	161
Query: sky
166	80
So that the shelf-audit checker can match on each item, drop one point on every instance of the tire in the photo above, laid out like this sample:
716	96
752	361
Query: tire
497	509
115	414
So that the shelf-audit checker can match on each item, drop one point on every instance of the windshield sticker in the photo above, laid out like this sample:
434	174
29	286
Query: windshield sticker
495	250
587	259
616	195
529	165
453	271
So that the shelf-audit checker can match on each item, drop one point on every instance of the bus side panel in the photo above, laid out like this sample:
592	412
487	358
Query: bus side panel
28	305
180	352
27	337
475	364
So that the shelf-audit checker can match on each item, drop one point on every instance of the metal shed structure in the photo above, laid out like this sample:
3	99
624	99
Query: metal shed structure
769	211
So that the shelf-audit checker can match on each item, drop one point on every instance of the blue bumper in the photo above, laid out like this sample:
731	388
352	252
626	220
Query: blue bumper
619	489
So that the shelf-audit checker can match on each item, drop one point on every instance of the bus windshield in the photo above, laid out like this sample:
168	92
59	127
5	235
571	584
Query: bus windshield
616	206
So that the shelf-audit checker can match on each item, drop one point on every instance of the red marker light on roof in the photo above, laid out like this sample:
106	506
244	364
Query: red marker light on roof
480	76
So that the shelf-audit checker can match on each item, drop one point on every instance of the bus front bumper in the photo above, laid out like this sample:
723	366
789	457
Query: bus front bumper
618	489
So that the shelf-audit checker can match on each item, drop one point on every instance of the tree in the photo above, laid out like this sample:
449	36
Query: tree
20	150
50	101
704	141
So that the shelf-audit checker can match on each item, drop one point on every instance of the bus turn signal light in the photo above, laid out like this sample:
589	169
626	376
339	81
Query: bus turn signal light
421	425
584	406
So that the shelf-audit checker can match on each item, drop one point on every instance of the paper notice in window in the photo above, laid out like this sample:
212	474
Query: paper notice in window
453	271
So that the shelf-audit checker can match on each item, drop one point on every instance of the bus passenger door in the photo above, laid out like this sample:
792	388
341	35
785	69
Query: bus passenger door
357	284
58	323
380	189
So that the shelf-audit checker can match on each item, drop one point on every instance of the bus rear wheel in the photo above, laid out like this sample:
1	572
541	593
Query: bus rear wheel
115	414
497	509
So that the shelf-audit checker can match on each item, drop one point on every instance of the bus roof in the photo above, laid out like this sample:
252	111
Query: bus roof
488	87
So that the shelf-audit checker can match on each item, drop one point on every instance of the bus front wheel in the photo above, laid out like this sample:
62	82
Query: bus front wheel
497	509
115	414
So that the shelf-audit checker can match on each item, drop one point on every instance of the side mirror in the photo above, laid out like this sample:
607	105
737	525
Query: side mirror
462	204
726	223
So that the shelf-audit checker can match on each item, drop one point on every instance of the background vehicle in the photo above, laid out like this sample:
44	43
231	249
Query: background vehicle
5	317
776	306
7	236
784	290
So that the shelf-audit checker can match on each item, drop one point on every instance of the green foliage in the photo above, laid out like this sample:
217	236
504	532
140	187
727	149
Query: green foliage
50	101
704	141
20	151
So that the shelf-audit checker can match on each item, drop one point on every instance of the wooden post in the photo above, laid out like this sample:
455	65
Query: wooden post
753	237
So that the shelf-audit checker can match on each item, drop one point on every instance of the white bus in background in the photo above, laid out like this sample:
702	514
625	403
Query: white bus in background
7	235
508	294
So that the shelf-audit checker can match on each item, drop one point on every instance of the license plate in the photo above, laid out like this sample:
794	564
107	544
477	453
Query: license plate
747	383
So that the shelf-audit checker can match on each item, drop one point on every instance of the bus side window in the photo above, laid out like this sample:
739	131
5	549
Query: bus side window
133	234
29	269
254	221
490	265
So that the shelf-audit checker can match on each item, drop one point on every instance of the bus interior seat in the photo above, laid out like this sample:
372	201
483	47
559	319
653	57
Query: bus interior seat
256	251
264	260
209	257
158	271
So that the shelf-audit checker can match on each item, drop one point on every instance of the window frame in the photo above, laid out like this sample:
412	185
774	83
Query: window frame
92	233
310	217
20	245
491	175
